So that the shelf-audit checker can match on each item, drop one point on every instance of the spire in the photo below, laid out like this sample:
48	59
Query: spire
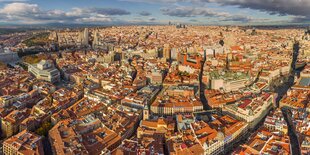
146	112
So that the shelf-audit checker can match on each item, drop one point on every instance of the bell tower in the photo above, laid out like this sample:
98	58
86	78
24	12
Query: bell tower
146	113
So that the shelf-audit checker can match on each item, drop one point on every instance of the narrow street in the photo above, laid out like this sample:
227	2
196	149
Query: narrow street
202	87
291	133
289	81
281	89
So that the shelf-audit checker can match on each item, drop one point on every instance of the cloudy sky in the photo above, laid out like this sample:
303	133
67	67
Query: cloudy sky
113	12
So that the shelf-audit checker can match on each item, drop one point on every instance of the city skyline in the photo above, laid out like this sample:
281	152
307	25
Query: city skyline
154	77
129	12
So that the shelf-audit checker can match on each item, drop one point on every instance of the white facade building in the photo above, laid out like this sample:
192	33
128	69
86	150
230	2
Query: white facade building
45	70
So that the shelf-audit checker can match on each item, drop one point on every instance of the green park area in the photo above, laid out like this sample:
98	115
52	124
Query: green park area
44	128
38	40
33	59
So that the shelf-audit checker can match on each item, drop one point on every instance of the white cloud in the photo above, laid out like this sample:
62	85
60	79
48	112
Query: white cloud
280	7
95	19
188	11
156	1
300	9
32	14
20	8
13	1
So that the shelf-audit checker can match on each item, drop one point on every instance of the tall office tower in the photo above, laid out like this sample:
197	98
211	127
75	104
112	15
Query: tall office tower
57	36
167	52
174	53
123	57
53	36
96	39
85	37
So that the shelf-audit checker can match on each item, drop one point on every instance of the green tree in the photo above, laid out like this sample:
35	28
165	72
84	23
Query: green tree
43	130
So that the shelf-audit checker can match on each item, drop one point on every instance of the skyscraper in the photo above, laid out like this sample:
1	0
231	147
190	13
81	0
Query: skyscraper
96	40
167	52
85	37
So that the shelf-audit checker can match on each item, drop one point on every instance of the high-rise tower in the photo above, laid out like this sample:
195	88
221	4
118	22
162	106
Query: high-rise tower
85	37
96	39
167	52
